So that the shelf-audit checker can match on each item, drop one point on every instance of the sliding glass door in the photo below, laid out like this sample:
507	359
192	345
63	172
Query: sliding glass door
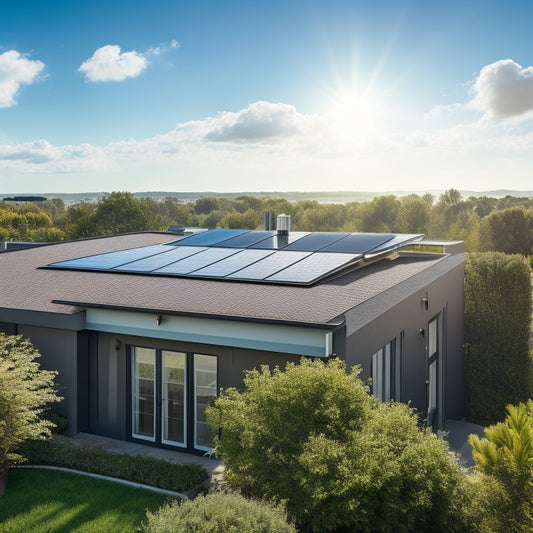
169	394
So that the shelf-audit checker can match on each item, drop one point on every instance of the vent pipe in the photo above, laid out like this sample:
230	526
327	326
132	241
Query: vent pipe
268	218
284	224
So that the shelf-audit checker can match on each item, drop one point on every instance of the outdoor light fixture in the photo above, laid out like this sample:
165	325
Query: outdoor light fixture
422	332
158	320
425	301
118	344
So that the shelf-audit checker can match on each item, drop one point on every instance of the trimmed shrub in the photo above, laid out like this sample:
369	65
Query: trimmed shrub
497	330
312	438
88	457
218	513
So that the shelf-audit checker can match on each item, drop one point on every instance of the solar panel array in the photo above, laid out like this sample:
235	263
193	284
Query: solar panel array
258	256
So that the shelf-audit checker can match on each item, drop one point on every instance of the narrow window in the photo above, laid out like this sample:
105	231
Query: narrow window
143	397
385	371
205	389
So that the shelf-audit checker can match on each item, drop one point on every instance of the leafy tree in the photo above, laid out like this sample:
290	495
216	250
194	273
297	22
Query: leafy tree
204	206
380	215
235	220
509	231
506	454
313	437
25	391
81	221
414	214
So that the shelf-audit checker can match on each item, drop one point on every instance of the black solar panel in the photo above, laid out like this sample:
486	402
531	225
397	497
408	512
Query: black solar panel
197	261
314	267
358	243
112	259
209	238
315	242
238	261
245	240
278	242
242	255
174	253
395	242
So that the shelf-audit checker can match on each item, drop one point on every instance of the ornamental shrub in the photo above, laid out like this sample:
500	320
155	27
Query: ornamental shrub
218	513
313	438
497	329
506	454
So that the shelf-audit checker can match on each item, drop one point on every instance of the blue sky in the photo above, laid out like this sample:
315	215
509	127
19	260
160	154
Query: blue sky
279	95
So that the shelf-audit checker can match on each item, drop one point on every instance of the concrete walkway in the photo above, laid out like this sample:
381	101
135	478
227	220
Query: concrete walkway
457	433
212	464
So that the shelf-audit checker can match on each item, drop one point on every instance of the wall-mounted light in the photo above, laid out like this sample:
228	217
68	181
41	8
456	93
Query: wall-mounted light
158	320
422	332
118	344
425	301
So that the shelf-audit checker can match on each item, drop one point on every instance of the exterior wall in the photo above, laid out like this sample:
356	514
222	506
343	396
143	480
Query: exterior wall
108	370
59	350
407	317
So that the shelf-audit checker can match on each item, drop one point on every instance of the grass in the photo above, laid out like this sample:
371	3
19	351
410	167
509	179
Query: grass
60	502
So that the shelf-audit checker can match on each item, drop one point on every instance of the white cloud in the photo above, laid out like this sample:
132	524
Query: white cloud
259	121
16	70
504	89
109	64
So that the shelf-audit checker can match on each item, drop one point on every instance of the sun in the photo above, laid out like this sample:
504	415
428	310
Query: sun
356	112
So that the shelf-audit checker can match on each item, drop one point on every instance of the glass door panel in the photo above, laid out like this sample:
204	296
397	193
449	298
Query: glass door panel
433	373
205	389
143	393
173	398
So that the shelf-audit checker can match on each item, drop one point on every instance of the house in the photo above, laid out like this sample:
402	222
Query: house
145	328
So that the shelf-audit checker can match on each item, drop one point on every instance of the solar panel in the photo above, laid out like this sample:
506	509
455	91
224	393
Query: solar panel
113	259
395	242
315	241
232	263
270	265
358	243
209	238
277	242
154	262
247	239
314	267
197	261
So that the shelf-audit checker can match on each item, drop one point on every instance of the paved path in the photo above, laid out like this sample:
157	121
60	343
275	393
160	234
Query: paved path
458	432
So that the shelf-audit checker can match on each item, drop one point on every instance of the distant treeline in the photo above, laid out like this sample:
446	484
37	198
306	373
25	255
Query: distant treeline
484	223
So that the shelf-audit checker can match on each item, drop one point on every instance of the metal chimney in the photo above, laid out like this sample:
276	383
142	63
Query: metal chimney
284	224
268	218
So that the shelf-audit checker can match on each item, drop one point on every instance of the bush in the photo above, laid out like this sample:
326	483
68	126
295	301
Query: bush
497	330
506	455
89	457
313	438
218	513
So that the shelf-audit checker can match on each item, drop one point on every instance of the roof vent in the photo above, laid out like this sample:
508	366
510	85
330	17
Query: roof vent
284	224
268	217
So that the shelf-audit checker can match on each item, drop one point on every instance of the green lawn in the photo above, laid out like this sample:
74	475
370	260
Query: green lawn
48	501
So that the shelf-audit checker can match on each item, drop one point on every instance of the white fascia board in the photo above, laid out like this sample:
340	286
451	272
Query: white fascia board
255	336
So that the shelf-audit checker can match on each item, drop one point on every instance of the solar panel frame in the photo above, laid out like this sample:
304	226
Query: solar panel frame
232	263
399	240
358	243
268	266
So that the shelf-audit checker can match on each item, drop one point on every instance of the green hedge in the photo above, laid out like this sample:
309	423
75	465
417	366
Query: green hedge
497	329
89	457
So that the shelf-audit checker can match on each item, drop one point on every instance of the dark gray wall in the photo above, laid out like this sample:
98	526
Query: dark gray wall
108	370
59	350
406	318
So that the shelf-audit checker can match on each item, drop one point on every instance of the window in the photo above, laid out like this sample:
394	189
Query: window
385	371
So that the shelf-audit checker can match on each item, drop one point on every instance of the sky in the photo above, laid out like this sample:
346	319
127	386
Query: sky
279	95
